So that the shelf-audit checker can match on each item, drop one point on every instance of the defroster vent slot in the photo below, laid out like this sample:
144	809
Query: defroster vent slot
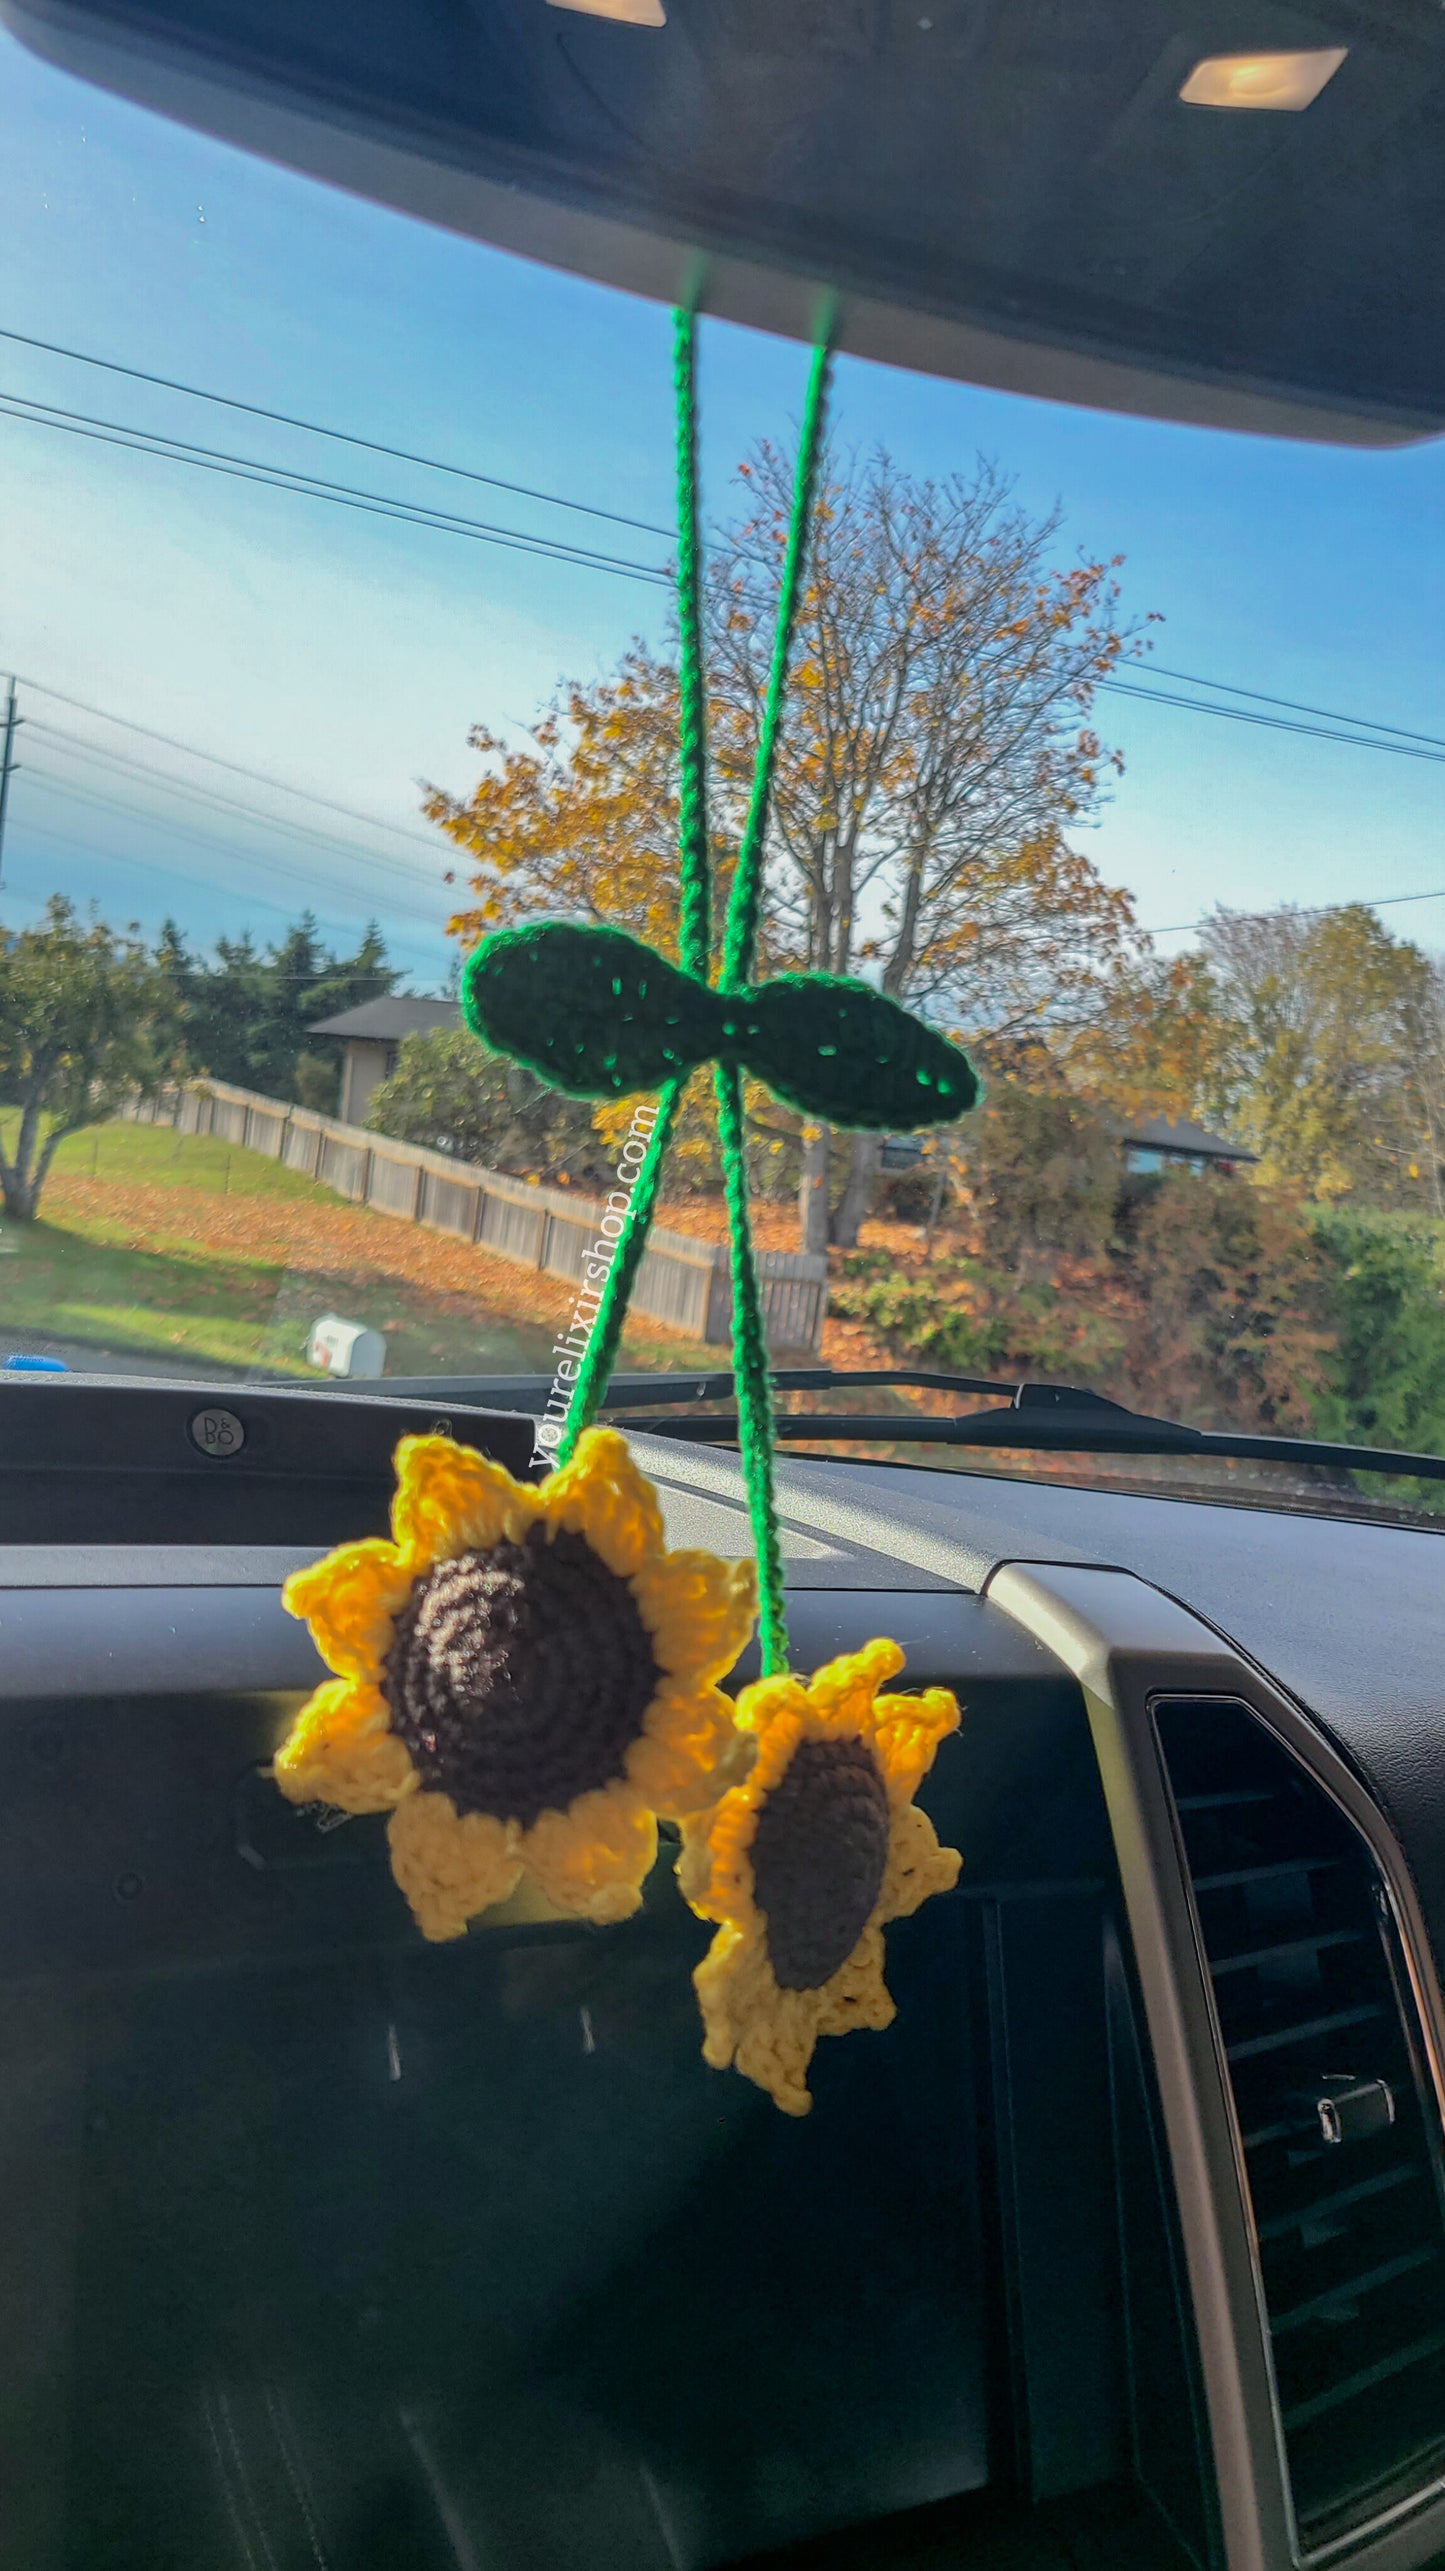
1338	2126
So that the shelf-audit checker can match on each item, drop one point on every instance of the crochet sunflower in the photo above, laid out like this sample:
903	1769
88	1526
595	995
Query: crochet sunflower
803	1863
525	1679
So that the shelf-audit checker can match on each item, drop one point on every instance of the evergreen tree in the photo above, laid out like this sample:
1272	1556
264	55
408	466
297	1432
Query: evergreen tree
247	1013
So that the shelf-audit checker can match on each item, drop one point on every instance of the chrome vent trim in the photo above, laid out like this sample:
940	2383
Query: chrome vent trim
1339	2133
1129	1646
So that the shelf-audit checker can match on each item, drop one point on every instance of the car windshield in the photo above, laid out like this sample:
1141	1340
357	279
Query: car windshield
338	629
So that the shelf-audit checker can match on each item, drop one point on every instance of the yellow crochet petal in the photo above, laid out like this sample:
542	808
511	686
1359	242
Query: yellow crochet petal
450	1865
350	1600
450	1500
776	2051
733	1982
339	1750
770	2035
767	2032
909	1729
687	1755
698	1610
843	1690
593	1859
761	1703
750	2025
726	1892
857	1995
694	1865
602	1495
917	1866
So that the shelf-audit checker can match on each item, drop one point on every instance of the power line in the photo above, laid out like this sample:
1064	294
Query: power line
334	926
1314	910
340	495
316	486
1360	722
614	517
257	776
108	803
194	838
247	857
1272	722
342	437
411	876
1400	743
156	441
412	879
170	875
299	831
275	478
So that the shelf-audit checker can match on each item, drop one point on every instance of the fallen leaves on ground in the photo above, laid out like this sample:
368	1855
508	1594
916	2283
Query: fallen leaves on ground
335	1242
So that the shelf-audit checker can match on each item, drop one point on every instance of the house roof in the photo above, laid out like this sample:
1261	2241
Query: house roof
387	1020
1158	1134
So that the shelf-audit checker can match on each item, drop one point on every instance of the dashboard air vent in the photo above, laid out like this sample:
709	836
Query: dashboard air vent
1339	2131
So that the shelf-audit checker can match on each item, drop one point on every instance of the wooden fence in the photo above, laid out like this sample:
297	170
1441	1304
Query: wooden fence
680	1281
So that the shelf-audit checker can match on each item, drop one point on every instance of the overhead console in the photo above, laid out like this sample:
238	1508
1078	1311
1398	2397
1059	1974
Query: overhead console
1064	201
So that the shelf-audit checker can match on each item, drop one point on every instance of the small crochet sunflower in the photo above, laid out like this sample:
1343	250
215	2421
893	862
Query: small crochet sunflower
525	1680
804	1862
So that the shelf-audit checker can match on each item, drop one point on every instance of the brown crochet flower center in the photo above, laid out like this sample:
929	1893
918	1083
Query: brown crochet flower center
819	1852
519	1677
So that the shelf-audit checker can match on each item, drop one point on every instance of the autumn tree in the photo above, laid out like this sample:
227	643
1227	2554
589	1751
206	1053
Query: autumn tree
1233	1317
937	751
579	821
1042	1171
454	1095
1332	1065
86	1018
1153	1039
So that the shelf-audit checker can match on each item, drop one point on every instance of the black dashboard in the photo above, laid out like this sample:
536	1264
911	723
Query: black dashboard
339	2248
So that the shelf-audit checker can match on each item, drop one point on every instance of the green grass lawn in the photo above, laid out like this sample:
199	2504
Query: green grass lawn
198	1164
196	1288
60	1284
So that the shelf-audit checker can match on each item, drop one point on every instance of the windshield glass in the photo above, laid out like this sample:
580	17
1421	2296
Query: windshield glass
338	629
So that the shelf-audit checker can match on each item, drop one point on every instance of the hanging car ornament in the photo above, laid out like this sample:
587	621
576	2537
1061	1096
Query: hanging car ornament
526	1680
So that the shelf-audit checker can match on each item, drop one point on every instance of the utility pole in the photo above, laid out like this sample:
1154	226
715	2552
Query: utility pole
7	766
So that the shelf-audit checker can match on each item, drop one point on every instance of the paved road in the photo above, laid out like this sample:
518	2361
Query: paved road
86	1359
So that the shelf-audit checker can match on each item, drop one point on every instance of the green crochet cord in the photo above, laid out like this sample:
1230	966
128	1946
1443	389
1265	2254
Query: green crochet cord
695	890
694	902
757	1439
750	1370
750	1356
741	936
594	1371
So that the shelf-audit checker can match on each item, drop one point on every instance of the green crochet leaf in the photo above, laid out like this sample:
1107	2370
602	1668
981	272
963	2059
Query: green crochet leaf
595	1013
844	1053
591	1010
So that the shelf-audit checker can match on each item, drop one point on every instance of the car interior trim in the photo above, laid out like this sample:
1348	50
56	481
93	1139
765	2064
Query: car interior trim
644	259
1131	1649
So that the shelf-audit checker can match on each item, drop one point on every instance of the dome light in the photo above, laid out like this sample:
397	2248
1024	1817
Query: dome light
628	13
1277	81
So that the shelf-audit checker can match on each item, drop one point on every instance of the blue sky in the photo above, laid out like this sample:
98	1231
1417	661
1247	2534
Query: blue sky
348	654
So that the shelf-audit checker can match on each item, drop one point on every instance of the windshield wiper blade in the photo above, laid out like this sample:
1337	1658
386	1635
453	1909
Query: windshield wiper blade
633	1392
1050	1418
630	1392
